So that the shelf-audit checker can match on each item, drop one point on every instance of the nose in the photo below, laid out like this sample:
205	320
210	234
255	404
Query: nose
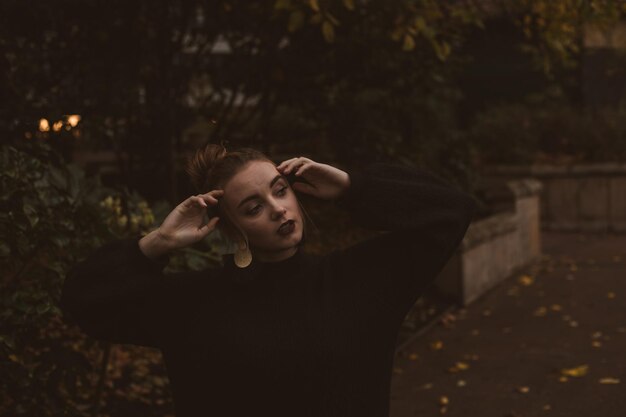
278	211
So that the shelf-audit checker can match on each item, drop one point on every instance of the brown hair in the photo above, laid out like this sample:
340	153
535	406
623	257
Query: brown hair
212	166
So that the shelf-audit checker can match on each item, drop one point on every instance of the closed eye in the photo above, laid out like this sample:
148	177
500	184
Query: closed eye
281	192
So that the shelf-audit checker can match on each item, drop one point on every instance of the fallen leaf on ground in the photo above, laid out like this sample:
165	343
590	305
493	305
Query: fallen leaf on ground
443	400
556	307
523	390
459	366
610	295
609	381
436	345
526	280
540	311
575	372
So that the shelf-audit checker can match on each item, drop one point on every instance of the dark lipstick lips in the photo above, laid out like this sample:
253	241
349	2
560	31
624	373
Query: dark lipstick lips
287	222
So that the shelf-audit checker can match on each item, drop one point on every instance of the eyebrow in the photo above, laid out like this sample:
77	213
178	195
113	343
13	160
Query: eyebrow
253	196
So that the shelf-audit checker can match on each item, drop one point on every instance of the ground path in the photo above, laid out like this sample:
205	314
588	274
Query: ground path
550	341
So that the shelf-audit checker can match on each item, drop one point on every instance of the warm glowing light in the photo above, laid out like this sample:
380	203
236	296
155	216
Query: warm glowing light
56	126
44	126
73	119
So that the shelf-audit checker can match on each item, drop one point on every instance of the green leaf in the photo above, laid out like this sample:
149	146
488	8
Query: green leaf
43	308
409	43
5	250
282	4
57	178
328	31
314	5
31	214
296	20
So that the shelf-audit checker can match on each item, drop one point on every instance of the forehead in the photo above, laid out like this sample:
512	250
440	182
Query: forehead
256	175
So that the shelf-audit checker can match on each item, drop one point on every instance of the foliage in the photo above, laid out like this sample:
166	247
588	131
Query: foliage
554	28
551	133
52	216
360	80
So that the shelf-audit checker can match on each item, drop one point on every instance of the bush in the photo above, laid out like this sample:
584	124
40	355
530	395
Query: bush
522	134
52	216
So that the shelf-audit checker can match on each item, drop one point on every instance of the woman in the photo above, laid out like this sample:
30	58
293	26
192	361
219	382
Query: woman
276	331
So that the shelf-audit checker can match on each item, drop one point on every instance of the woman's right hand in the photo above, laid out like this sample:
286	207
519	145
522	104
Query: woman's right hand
183	226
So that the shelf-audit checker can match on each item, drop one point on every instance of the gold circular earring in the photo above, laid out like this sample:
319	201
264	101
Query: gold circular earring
243	256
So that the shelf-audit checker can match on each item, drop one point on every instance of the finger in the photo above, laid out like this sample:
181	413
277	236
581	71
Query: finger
304	187
200	201
210	226
292	165
213	195
299	170
211	199
193	201
285	162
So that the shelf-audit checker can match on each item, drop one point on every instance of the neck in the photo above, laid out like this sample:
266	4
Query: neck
274	256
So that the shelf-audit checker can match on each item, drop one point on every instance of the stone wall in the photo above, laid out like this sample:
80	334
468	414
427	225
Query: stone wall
495	247
581	198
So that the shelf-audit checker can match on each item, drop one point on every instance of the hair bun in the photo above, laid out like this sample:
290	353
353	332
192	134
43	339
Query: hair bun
200	166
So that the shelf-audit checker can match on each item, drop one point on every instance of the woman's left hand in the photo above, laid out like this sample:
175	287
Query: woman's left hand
325	182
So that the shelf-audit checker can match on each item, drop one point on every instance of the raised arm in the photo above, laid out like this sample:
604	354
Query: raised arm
424	218
120	294
114	293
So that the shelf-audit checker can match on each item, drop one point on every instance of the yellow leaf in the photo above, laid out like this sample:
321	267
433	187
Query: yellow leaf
409	43
575	372
282	4
540	312
296	19
314	5
349	4
462	366
526	280
437	345
609	381
328	31
556	307
596	344
523	390
443	400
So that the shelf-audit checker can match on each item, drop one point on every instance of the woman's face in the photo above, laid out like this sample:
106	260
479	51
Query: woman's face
259	200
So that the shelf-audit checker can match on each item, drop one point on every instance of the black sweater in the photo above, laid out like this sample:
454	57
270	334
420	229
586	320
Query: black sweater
308	336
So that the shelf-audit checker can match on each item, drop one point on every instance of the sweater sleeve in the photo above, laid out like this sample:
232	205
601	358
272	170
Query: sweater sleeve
118	294
423	219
